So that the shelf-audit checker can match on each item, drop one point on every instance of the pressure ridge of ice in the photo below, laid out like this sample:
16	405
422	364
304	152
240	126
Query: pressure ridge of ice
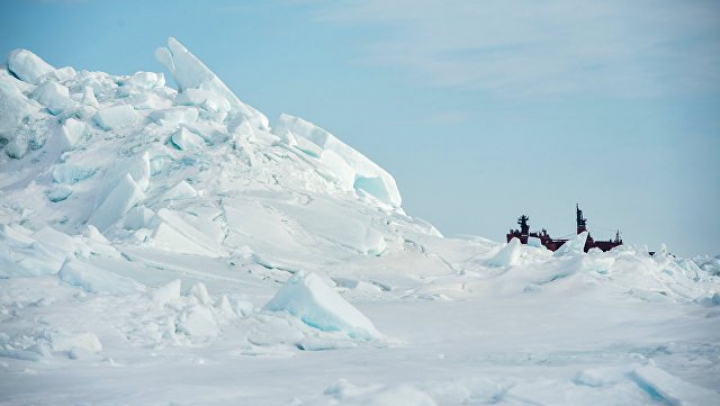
172	229
120	146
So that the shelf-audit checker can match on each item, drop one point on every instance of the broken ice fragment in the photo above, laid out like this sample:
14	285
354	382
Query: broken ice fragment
307	297
27	66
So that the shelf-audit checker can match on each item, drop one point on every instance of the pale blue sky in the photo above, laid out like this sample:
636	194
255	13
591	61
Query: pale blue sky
482	110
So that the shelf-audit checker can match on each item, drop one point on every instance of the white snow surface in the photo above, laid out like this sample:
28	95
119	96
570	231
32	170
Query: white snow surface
172	247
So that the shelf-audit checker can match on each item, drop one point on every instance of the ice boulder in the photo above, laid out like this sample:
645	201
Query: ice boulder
63	341
97	243
94	279
199	291
353	170
138	217
185	140
167	293
669	389
197	321
137	167
49	235
190	73
214	105
124	196
182	190
71	172
119	116
14	107
307	297
22	256
146	80
71	132
345	393
54	96
59	193
711	265
93	234
576	245
27	66
175	116
88	97
172	233
62	74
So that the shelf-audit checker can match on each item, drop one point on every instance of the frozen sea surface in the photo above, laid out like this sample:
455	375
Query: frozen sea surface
171	246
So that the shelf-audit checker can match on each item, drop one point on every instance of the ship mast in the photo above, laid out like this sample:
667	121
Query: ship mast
523	222
580	220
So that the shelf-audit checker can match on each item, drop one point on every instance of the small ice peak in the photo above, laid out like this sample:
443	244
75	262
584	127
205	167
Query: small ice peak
61	74
175	116
182	190
137	166
186	140
88	97
167	293
508	255
125	194
200	292
64	341
198	322
93	279
71	132
222	304
190	73
118	116
661	256
576	245
307	297
54	96
145	80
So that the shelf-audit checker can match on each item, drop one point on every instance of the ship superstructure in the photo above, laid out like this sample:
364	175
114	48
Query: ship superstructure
526	236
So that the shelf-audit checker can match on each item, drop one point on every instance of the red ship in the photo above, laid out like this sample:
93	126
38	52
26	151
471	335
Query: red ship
524	234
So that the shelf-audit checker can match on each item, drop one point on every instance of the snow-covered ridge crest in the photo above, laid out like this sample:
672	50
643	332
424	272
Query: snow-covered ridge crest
143	99
354	169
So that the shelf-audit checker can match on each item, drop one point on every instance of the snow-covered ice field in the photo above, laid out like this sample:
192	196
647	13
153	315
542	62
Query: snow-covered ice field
172	246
